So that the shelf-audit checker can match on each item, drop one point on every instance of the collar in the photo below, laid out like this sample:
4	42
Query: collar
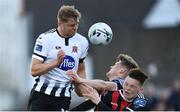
121	93
61	35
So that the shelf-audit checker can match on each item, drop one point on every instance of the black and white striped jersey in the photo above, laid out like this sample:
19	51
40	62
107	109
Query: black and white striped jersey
56	82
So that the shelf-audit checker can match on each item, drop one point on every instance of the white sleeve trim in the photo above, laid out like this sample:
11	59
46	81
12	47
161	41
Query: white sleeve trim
37	57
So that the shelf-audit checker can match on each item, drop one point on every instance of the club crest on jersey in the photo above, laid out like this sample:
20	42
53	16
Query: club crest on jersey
68	63
74	49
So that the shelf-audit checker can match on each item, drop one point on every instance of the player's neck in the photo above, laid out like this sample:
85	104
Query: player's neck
61	33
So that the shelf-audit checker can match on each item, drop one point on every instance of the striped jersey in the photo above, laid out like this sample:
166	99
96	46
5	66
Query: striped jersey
47	45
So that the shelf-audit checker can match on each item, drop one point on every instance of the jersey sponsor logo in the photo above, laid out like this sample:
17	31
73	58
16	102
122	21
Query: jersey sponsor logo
68	63
38	47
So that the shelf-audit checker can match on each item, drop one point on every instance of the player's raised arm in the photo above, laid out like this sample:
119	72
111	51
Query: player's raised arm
97	84
38	67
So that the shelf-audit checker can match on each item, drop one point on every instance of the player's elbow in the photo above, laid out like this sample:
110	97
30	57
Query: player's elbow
34	73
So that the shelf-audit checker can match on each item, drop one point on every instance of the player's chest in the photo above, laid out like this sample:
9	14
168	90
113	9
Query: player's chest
72	49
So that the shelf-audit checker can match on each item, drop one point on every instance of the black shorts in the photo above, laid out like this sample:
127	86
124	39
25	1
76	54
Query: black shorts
41	102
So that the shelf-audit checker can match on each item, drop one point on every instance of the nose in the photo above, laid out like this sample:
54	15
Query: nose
127	88
75	27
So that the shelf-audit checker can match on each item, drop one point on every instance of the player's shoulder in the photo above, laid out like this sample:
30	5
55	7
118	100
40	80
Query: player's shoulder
119	82
81	37
49	33
46	35
140	102
141	95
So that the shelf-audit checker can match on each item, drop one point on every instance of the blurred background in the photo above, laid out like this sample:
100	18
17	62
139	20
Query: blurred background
147	30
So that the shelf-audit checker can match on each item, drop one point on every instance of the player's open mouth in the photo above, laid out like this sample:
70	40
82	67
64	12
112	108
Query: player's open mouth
126	92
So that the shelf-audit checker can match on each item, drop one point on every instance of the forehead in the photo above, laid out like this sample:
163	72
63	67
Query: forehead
132	81
118	63
72	20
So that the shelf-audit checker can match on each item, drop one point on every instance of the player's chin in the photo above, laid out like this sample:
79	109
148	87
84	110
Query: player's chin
128	96
72	33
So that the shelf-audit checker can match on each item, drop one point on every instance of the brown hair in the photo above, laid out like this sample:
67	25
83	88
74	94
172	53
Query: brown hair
138	74
127	61
67	11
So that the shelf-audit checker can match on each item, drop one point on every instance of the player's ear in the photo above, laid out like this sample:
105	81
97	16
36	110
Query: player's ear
59	21
120	71
141	90
123	71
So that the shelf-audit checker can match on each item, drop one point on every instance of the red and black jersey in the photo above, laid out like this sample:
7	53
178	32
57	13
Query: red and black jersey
115	101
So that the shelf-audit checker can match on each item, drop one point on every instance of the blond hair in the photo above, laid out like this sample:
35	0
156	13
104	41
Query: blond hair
127	61
67	11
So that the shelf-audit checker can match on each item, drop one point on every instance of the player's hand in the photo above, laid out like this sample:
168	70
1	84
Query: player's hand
92	94
60	56
74	77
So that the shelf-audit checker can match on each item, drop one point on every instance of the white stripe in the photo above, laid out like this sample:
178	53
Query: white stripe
62	85
143	96
37	57
67	90
58	92
40	83
140	95
50	87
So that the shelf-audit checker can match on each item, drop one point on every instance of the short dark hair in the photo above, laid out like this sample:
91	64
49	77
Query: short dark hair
67	11
127	61
138	74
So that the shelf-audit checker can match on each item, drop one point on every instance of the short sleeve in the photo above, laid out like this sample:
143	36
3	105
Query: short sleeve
40	48
85	48
119	82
